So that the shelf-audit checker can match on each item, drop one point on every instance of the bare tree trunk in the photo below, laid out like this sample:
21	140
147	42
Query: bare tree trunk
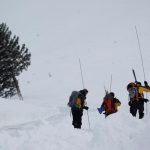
17	87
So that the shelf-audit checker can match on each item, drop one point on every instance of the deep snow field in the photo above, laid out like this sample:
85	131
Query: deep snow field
101	33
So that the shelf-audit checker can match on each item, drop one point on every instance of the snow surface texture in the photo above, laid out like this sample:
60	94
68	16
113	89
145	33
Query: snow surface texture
59	32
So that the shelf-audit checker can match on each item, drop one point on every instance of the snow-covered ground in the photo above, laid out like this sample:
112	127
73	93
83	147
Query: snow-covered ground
101	33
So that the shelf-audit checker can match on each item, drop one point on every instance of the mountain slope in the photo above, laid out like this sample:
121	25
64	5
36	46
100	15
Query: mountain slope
59	33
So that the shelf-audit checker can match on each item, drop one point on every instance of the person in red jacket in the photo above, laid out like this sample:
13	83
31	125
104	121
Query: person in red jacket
110	104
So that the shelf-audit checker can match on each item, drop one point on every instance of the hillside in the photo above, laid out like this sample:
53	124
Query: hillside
59	33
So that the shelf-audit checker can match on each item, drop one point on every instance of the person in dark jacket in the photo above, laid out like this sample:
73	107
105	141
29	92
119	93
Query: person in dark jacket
77	109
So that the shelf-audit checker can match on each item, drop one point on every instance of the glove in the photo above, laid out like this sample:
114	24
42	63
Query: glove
100	110
129	103
138	83
146	100
146	84
85	107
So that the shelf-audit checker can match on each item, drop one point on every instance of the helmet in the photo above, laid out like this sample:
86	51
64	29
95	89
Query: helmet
84	91
130	85
112	94
138	83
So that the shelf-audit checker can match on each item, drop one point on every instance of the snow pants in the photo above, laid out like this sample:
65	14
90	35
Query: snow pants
137	106
77	117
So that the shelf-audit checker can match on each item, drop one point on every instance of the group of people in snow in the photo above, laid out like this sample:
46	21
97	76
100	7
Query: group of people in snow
77	102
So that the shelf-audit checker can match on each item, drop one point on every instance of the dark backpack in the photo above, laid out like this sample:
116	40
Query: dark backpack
74	95
132	93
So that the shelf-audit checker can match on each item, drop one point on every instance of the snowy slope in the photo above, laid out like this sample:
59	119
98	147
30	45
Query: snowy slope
58	33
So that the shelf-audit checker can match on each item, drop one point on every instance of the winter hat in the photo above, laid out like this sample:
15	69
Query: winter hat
112	94
84	91
138	83
130	85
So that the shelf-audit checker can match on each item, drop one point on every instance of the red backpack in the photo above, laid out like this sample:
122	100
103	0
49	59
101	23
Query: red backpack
109	105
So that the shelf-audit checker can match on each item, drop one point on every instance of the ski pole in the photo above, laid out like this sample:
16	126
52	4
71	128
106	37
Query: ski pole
88	119
146	109
83	87
81	73
110	82
106	91
70	113
140	50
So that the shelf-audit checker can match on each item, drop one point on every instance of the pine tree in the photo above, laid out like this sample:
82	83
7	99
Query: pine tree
13	60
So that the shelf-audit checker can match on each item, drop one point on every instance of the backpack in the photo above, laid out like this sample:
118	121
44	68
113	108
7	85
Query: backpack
132	93
109	105
73	99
